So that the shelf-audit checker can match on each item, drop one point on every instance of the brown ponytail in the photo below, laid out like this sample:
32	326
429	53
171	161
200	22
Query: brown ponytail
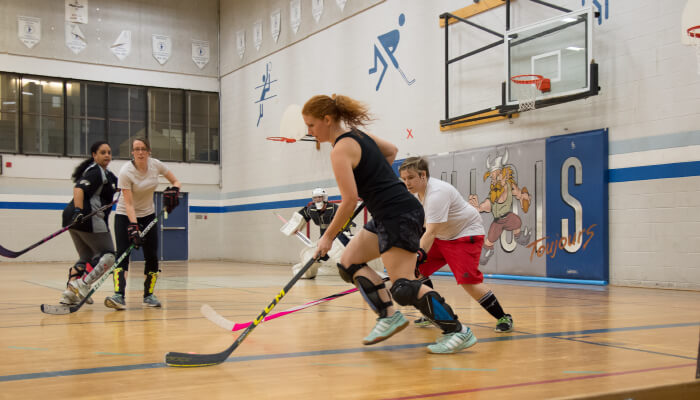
341	108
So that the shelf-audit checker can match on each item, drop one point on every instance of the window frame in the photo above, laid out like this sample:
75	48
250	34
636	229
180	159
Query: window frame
19	133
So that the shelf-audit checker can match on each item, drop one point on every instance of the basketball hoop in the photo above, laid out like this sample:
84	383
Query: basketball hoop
694	33
526	89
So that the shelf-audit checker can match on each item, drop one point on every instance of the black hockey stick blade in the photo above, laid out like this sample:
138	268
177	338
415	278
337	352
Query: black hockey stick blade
175	359
62	309
14	254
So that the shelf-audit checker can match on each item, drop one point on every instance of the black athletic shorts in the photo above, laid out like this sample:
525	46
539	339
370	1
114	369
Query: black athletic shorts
403	231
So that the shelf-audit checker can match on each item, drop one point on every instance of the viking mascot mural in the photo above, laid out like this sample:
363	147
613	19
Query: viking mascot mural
501	203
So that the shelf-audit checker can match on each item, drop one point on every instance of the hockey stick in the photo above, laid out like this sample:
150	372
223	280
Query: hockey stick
219	320
175	359
14	254
301	237
64	309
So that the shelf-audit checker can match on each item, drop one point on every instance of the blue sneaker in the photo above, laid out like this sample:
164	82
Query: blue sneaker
453	342
151	301
116	302
386	328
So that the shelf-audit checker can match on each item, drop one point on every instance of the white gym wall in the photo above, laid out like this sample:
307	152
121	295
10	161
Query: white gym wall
649	100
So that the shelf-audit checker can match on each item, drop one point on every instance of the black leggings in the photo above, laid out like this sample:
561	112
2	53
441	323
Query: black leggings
149	246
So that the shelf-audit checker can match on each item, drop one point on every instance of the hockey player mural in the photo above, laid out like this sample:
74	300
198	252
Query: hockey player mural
503	194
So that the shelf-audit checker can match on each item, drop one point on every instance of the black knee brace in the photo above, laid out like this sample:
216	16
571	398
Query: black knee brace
405	291
348	272
76	271
370	292
440	313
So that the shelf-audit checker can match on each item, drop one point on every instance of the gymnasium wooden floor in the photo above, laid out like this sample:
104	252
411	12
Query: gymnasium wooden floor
569	341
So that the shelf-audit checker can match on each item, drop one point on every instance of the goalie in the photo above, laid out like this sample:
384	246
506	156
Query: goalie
322	213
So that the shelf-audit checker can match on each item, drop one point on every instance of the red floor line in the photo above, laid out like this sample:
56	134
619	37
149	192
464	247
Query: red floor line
514	385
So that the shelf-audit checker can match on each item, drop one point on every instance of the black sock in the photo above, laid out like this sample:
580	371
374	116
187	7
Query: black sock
491	304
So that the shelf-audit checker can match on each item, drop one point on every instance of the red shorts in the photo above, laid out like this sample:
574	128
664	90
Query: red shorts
461	255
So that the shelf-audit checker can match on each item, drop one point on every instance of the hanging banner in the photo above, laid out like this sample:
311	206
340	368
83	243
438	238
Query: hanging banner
77	11
162	48
257	35
75	38
200	52
295	15
317	9
122	46
29	30
275	22
341	4
240	43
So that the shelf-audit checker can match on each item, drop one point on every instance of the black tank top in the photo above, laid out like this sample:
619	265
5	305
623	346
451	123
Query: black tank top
377	184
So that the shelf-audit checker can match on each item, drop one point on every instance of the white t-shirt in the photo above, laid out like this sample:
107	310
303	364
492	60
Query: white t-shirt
142	186
443	203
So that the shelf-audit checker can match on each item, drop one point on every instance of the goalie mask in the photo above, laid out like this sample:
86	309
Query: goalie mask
319	197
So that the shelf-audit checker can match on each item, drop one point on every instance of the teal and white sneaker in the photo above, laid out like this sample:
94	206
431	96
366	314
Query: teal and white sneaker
453	342
386	328
116	302
504	324
422	322
151	301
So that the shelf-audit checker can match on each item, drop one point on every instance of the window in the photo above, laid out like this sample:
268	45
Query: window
127	117
42	116
202	127
85	103
64	117
166	124
9	104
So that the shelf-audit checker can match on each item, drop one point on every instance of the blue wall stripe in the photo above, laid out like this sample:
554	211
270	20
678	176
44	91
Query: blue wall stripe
660	171
17	205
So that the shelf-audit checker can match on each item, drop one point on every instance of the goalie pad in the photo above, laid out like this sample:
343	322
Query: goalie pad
306	254
294	224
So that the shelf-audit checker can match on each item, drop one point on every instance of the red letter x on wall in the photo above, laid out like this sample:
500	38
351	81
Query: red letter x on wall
410	136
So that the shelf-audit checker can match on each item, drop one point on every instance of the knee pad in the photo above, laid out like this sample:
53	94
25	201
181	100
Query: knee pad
370	292
107	258
348	272
100	265
405	291
433	306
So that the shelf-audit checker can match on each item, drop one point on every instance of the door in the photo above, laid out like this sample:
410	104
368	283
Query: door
172	231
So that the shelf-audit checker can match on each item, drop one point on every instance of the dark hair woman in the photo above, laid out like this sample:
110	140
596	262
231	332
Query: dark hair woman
94	188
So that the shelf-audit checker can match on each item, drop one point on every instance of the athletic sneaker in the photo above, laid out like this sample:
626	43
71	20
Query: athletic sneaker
453	342
386	328
69	298
116	302
151	301
422	322
81	289
505	324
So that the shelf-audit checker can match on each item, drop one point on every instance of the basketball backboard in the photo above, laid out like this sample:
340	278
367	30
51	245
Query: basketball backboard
559	49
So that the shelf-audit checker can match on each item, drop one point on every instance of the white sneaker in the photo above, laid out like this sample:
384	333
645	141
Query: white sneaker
81	289
69	298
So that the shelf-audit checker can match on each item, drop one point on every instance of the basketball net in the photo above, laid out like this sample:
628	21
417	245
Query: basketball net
694	34
526	88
